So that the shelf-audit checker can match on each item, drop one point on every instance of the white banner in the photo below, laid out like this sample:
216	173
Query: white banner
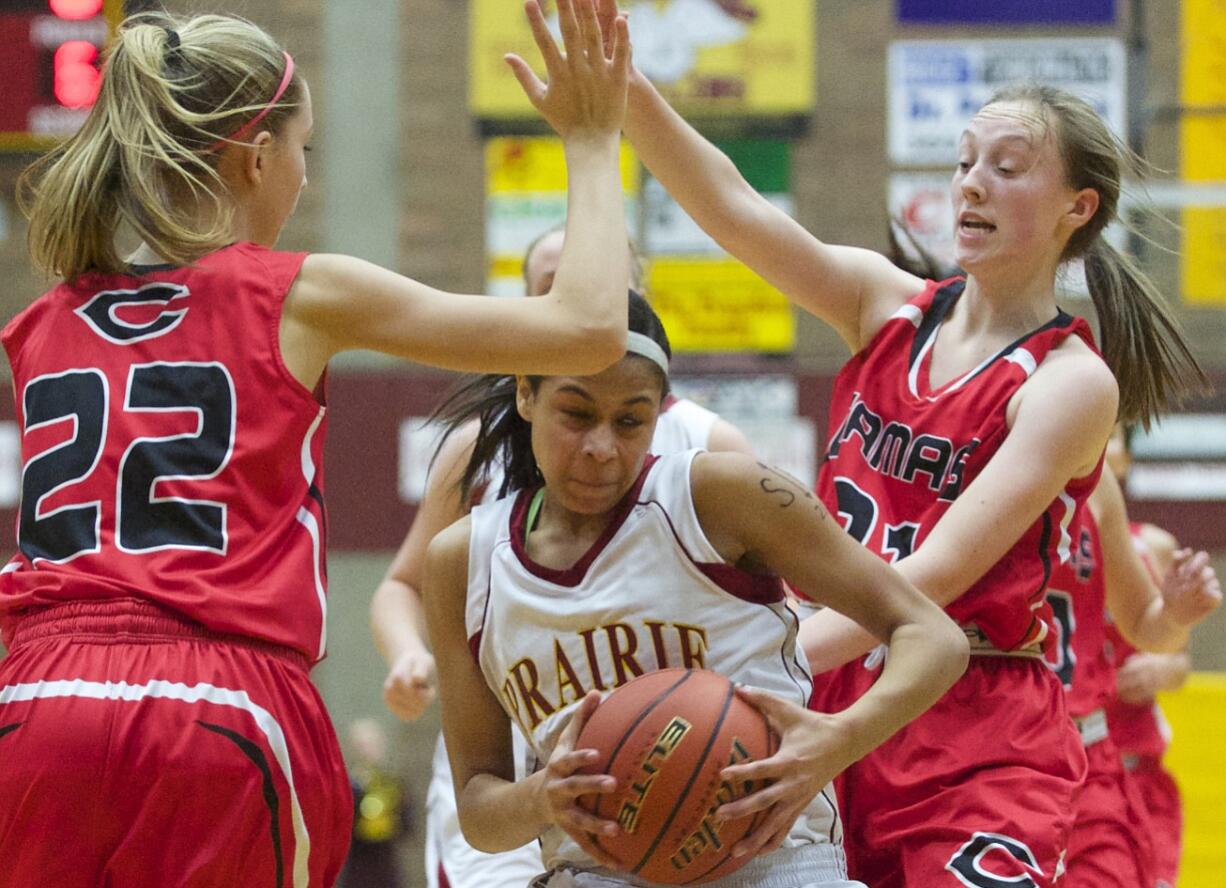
935	87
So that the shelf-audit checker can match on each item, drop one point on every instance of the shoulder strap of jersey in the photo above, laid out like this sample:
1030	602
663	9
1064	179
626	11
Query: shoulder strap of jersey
489	526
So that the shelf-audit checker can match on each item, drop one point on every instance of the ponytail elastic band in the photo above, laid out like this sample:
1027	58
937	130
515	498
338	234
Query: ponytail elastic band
172	38
646	347
272	103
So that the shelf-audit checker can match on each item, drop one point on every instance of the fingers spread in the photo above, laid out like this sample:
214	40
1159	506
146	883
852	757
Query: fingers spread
544	40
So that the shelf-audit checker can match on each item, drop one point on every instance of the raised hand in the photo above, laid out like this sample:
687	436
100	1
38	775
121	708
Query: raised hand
607	14
585	90
562	786
811	752
409	689
1190	589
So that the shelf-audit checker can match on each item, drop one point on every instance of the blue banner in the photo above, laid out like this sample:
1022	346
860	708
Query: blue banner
1007	11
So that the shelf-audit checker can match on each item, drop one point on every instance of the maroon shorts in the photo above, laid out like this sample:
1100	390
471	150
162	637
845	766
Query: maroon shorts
138	749
1162	820
977	791
1108	845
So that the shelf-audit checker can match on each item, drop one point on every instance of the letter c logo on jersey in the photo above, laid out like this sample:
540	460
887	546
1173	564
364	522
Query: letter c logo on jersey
101	312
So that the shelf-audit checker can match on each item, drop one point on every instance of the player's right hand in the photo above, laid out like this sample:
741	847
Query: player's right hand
561	786
409	688
585	91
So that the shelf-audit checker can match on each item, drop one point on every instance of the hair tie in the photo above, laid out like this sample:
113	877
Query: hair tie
172	38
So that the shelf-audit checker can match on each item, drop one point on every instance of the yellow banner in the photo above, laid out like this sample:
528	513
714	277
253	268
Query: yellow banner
717	304
1197	714
1202	144
1203	55
519	164
709	57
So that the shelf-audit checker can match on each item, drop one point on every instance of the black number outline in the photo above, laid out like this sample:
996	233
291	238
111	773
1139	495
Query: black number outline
1065	619
88	429
29	515
123	534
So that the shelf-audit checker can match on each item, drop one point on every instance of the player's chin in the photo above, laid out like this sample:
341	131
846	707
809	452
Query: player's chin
593	499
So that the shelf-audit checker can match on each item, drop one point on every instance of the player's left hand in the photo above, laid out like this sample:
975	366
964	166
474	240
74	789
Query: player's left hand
810	754
1190	589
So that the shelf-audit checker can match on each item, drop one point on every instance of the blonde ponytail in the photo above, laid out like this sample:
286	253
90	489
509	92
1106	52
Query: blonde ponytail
172	94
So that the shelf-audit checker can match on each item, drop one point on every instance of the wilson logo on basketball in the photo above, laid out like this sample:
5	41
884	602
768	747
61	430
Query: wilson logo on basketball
673	733
706	836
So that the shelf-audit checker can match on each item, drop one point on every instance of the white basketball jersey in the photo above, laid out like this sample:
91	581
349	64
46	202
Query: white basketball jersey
683	425
651	593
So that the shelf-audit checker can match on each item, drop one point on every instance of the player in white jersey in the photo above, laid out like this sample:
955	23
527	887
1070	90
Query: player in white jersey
606	563
395	609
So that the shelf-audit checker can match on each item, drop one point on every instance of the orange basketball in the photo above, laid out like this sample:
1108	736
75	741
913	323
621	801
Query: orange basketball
666	736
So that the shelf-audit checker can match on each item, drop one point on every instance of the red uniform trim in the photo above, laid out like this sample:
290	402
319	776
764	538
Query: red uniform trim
573	575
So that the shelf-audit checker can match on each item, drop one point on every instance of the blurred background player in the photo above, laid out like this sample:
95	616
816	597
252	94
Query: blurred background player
955	452
1105	583
382	811
683	554
162	614
397	619
1134	719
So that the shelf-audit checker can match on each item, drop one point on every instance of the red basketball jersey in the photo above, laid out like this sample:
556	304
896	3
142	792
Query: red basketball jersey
1080	655
900	453
167	452
1136	728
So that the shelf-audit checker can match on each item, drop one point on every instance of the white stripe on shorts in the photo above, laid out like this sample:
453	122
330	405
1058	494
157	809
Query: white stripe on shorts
174	690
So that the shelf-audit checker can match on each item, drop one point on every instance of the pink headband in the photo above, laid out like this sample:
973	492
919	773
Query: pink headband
272	103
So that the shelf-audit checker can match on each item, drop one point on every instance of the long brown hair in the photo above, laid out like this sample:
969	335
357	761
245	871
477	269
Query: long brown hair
1142	341
173	92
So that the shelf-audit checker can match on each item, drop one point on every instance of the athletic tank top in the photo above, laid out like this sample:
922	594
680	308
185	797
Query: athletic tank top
900	452
683	425
1136	728
167	452
650	593
1079	654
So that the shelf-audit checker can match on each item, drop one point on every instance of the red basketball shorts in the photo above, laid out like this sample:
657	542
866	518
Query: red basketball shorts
978	791
138	751
1109	845
1162	815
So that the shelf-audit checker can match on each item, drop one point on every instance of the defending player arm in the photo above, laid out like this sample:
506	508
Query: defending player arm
1053	438
854	290
579	326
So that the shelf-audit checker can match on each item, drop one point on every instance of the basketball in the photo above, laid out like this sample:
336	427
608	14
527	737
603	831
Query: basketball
666	736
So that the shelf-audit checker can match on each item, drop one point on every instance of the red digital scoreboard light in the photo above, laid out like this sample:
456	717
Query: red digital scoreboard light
50	55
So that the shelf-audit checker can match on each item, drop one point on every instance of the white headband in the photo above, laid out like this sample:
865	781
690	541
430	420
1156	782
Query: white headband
645	346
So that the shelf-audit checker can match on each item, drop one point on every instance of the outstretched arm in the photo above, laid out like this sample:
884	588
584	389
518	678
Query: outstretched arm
851	289
1150	618
777	525
1052	439
579	326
